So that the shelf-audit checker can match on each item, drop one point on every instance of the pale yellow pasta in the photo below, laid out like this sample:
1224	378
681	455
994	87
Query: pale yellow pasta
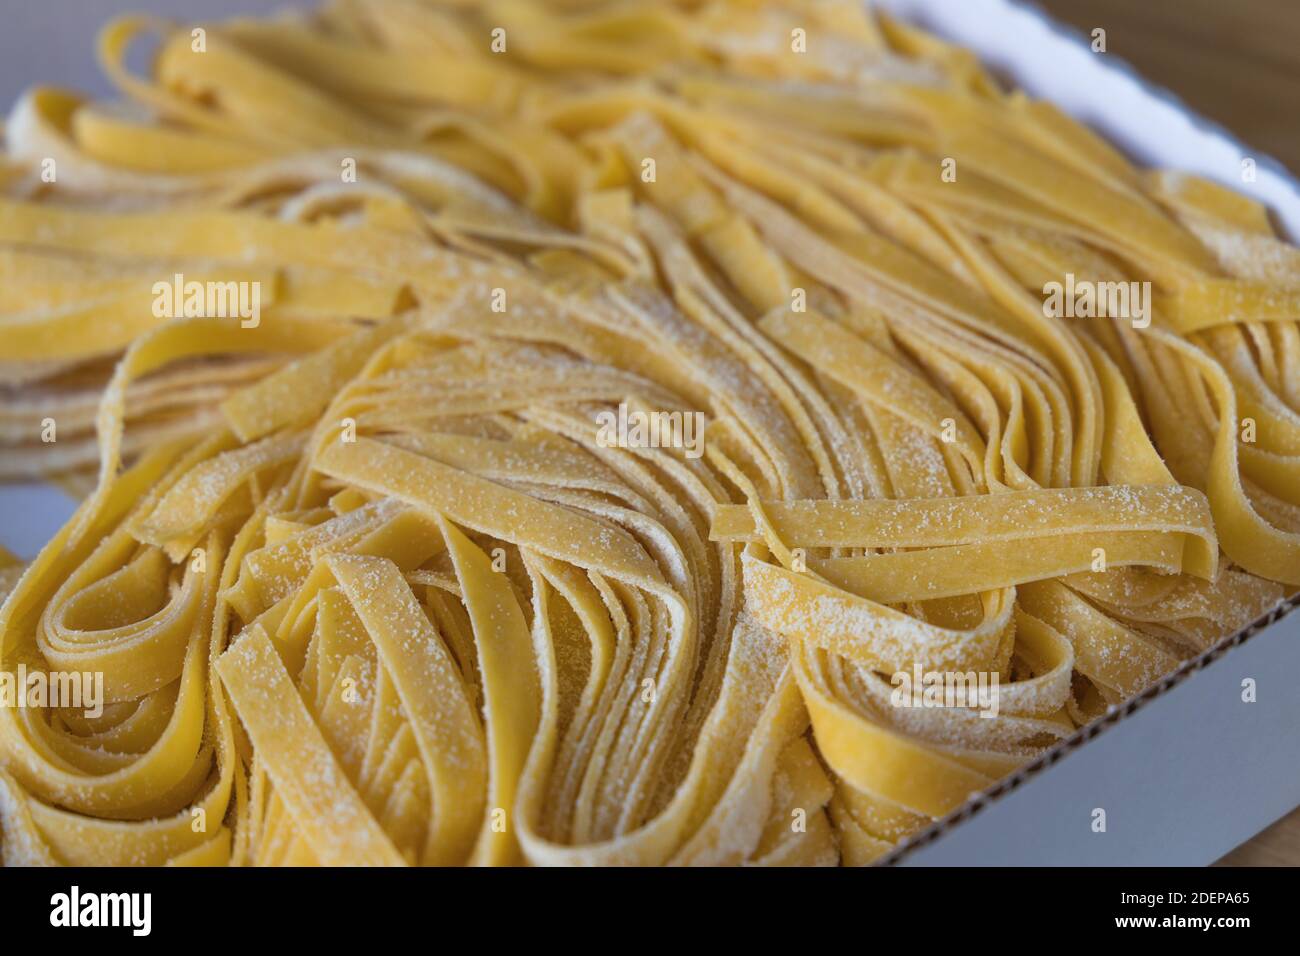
369	575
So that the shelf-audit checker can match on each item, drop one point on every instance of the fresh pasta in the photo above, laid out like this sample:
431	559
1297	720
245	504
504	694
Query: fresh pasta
562	432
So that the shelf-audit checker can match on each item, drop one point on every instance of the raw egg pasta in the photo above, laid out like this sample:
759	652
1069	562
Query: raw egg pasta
552	433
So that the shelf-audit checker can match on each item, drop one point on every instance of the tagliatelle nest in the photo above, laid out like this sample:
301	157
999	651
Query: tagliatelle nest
606	433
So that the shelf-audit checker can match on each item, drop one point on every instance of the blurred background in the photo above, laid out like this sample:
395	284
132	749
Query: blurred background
1234	61
53	41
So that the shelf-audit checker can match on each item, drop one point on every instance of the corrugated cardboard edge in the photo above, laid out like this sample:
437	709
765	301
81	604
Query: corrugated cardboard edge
1083	735
1086	733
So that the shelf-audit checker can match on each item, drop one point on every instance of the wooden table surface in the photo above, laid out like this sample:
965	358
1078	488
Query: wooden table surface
1238	63
1234	61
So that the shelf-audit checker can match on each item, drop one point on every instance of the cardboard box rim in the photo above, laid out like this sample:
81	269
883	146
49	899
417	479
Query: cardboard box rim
1086	733
1059	751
